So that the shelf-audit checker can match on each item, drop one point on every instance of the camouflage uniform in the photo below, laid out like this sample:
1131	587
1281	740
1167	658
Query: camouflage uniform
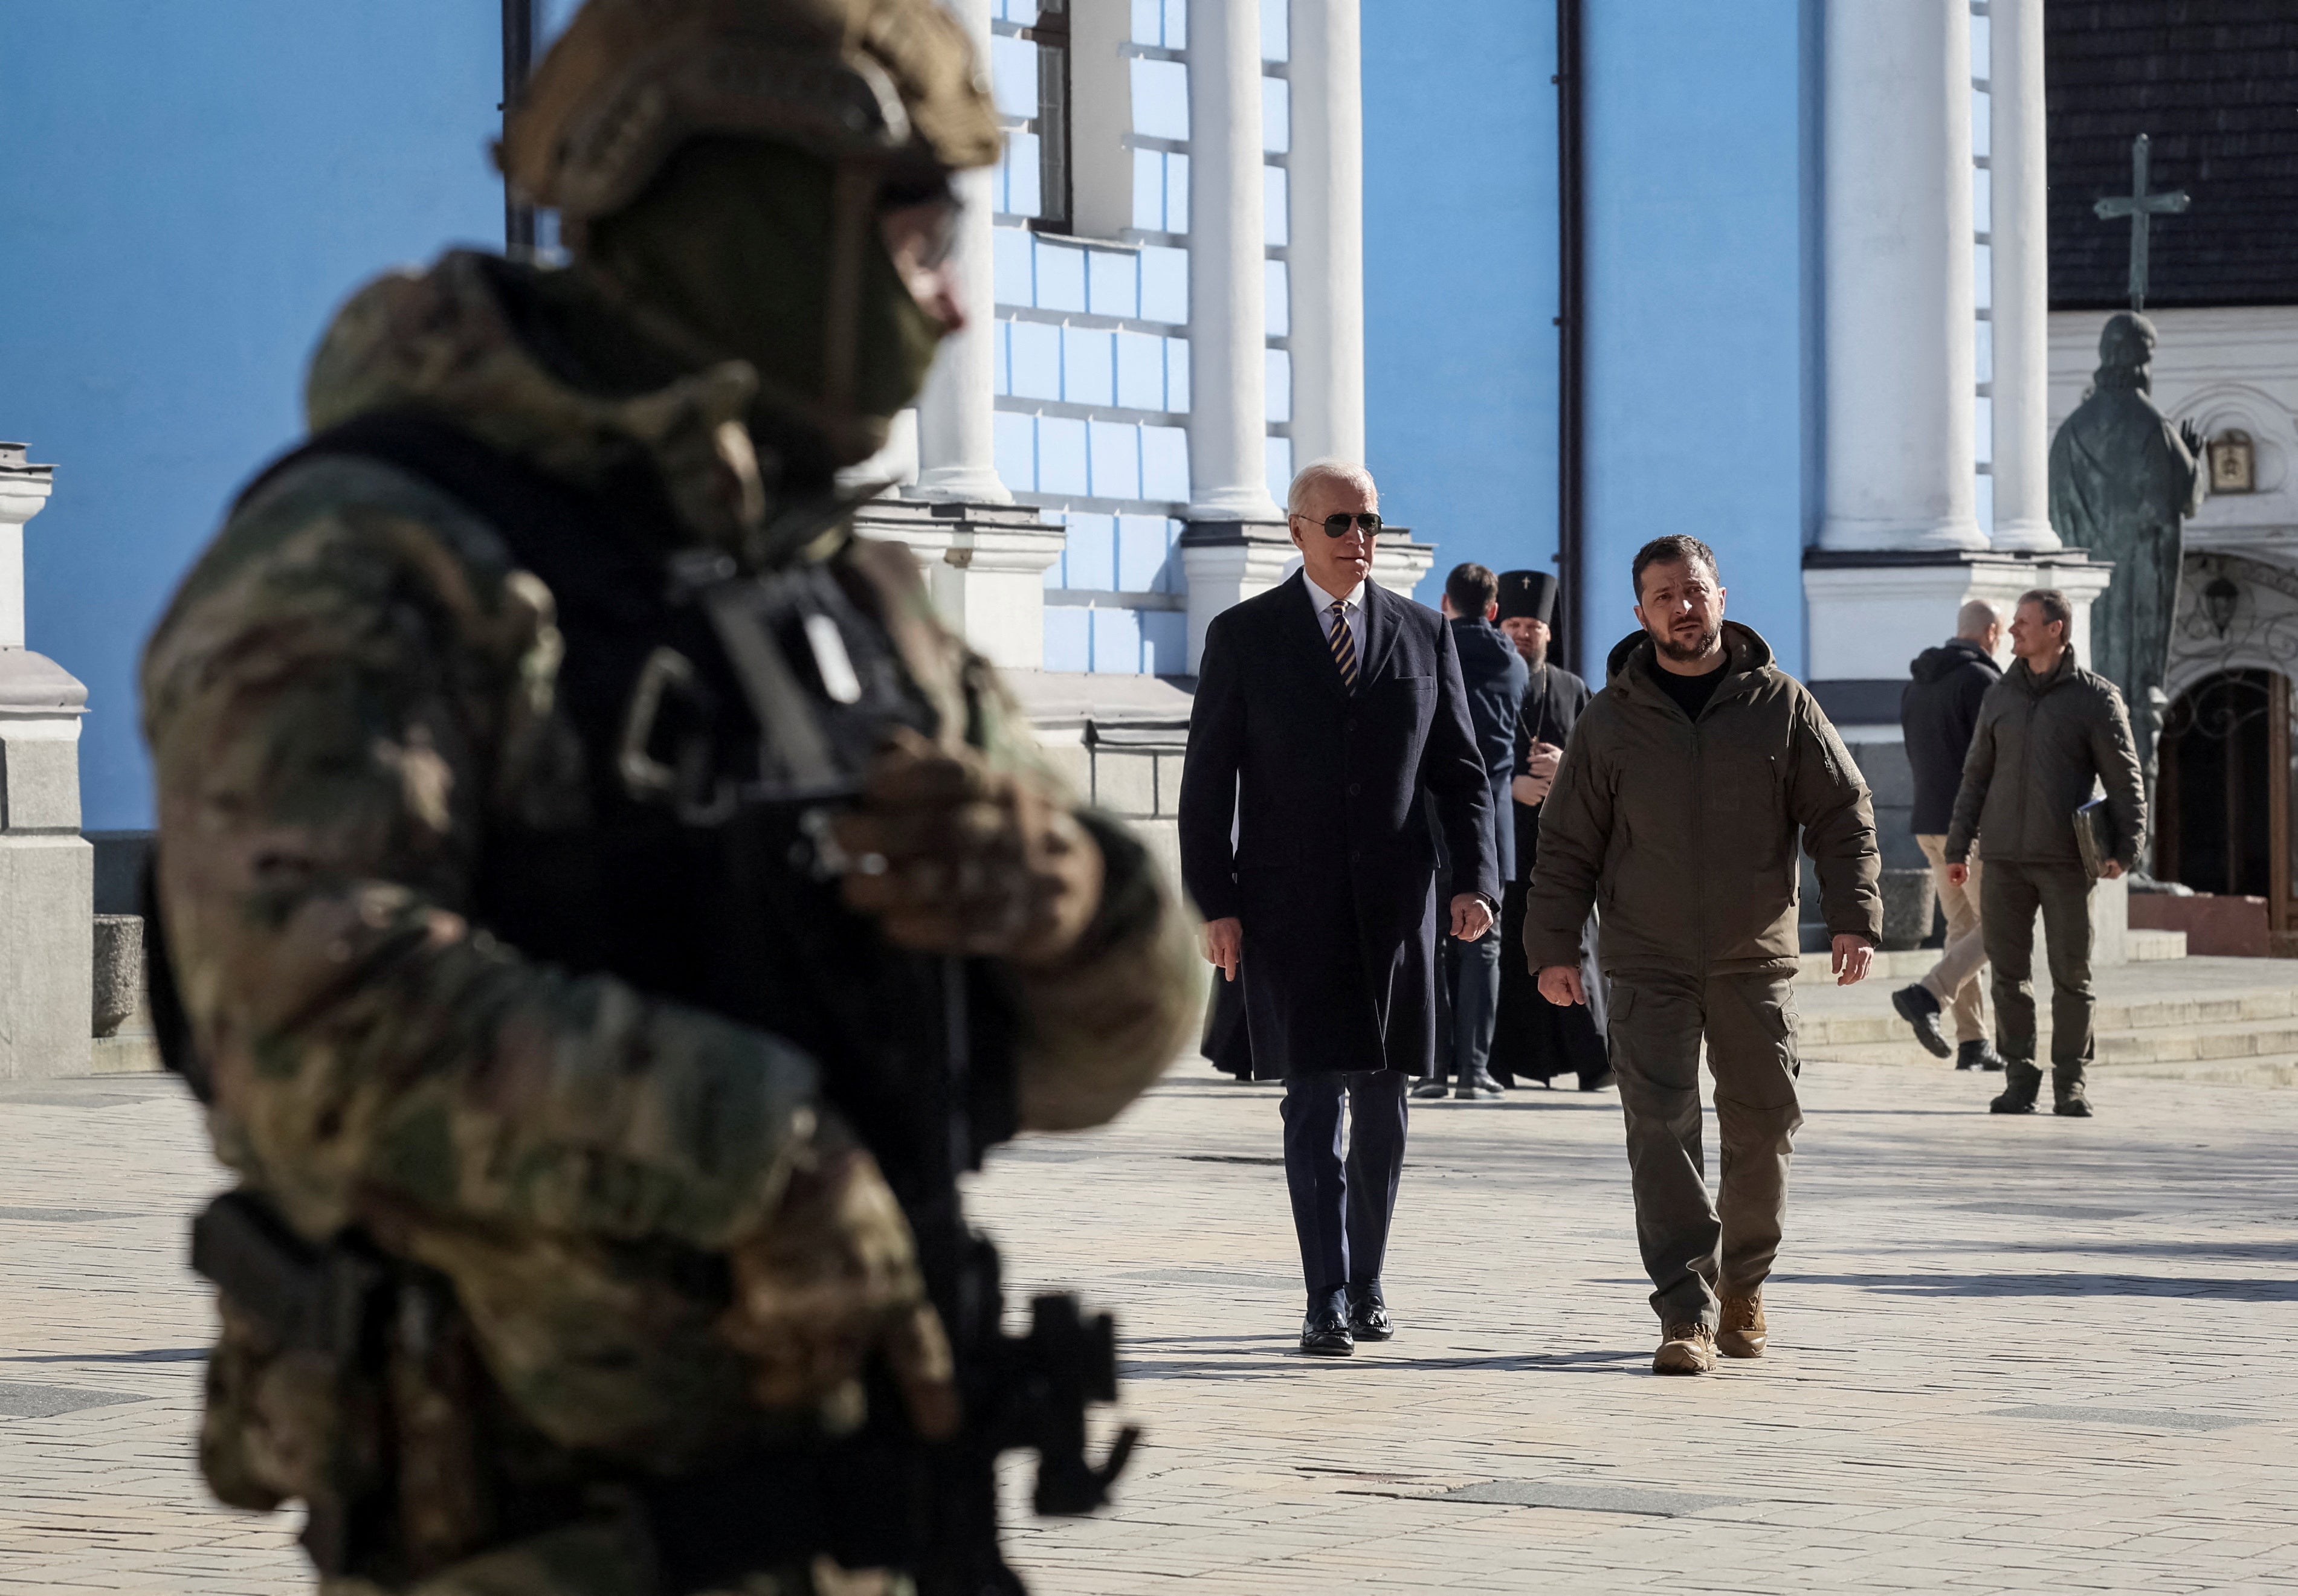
354	689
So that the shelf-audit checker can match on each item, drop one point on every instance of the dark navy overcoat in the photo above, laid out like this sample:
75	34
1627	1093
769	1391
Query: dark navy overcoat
1301	815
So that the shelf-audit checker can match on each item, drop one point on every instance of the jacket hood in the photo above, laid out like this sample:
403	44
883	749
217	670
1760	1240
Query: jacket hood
1744	649
1953	654
448	340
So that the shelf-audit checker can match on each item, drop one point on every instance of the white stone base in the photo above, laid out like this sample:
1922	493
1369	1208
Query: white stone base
48	875
1867	616
985	565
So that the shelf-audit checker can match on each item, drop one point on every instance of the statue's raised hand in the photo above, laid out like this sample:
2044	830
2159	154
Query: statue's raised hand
2190	433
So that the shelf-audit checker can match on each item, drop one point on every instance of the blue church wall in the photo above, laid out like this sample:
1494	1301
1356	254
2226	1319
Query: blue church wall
1460	276
192	189
1701	392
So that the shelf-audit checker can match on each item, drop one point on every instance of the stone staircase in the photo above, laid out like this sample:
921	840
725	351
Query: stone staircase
2162	1015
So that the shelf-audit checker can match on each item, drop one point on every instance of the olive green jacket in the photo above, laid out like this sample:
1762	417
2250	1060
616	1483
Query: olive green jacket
1683	834
351	684
2039	751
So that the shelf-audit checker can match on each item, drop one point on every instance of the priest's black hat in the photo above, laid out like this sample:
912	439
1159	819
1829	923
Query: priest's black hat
1529	594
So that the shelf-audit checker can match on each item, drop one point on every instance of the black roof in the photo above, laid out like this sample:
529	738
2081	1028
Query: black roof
2214	84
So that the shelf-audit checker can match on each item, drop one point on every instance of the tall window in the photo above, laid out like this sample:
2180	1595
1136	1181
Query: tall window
1029	51
1090	348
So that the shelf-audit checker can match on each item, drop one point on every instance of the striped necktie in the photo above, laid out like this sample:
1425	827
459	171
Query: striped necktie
1344	645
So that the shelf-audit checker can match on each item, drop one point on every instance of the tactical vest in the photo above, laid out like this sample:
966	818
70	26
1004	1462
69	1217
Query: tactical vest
700	875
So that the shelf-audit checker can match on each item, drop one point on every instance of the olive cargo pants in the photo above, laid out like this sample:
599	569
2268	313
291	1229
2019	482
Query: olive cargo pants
1692	1247
2013	892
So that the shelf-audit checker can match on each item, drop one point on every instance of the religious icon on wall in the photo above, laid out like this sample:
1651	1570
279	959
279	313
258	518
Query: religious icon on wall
2234	462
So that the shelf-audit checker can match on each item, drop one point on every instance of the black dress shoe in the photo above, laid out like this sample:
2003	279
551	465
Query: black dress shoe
1368	1320
1325	1334
1917	1007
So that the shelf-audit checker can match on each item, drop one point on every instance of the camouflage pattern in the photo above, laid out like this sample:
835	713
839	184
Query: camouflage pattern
889	81
354	679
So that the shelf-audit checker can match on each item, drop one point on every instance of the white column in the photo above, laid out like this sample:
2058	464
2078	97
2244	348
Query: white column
24	491
47	869
1228	324
1898	276
1327	249
957	454
2022	282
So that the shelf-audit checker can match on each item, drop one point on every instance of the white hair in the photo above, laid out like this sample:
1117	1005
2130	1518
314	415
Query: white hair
1329	470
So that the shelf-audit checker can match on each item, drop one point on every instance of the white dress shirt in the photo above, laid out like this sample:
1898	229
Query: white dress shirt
1351	605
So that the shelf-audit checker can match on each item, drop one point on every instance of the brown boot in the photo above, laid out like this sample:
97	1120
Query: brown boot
1686	1349
1743	1333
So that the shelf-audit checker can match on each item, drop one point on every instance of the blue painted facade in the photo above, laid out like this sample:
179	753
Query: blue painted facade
172	258
1702	302
1701	334
1461	278
192	191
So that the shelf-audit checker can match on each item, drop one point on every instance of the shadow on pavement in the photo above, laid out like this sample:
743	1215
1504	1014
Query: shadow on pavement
2066	1285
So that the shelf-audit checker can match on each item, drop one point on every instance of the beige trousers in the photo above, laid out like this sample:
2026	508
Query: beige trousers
1953	980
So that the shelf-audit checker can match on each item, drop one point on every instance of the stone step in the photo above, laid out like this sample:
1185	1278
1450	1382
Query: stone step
2203	1021
2194	1044
2144	947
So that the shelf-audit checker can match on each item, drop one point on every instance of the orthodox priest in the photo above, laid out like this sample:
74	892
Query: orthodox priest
1534	1040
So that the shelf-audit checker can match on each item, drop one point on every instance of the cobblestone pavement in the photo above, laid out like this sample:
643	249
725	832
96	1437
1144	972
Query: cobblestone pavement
2008	1354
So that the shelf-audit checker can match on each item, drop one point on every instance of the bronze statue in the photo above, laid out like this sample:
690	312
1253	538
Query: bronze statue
2122	479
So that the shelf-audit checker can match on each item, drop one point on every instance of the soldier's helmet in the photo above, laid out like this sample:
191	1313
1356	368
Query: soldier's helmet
890	81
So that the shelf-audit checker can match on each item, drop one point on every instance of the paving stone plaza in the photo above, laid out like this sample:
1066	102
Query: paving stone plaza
2007	1354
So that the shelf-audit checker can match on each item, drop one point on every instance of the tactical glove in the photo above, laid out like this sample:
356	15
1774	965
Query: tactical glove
954	857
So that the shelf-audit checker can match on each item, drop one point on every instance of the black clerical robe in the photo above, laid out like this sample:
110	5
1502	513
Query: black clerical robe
1533	1038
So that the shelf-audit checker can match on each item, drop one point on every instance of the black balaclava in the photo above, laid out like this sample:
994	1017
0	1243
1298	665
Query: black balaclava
739	242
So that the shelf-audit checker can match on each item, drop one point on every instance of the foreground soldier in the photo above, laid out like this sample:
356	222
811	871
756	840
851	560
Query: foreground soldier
1677	804
606	910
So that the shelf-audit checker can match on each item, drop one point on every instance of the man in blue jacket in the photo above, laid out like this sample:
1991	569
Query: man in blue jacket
1496	678
1325	708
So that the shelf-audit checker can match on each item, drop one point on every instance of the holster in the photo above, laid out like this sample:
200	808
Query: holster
347	1380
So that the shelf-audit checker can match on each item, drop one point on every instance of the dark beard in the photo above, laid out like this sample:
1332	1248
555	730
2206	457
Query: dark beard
1669	647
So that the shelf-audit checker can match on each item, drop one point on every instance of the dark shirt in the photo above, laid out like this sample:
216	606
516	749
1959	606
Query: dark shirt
1690	693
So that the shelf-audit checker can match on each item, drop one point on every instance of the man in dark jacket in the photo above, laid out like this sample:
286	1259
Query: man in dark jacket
1677	804
2048	732
1938	713
1535	1039
1496	676
1325	708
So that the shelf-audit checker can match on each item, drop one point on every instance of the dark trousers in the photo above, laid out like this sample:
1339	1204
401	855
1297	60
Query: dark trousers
1343	1183
1472	986
2011	895
1694	1249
